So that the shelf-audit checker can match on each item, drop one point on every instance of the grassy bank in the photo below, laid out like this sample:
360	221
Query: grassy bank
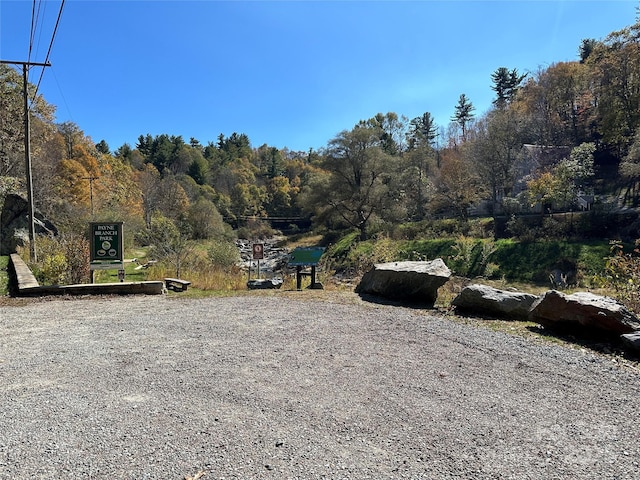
505	260
510	260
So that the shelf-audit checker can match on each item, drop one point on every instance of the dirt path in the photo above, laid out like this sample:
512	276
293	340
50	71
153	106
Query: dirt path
284	388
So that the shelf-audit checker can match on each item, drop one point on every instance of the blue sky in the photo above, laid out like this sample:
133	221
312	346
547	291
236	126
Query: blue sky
287	73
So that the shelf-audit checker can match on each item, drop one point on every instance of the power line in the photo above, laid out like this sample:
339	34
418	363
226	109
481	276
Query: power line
32	31
33	21
64	99
35	17
46	60
42	12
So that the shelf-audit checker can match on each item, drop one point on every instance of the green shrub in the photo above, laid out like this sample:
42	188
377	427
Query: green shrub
426	249
339	252
168	243
592	259
447	228
622	275
256	229
530	262
465	255
223	254
471	257
364	255
63	259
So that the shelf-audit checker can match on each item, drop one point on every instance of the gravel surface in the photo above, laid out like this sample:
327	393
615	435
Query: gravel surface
283	387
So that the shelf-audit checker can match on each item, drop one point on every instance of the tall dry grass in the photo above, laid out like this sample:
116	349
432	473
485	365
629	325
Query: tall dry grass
215	279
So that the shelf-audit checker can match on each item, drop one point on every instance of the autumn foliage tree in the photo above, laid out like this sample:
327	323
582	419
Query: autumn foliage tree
457	184
386	170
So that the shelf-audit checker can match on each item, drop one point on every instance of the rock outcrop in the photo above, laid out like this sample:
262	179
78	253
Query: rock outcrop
583	313
416	282
274	261
485	300
14	224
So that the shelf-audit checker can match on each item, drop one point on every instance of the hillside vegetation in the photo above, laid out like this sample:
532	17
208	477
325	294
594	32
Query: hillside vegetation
542	181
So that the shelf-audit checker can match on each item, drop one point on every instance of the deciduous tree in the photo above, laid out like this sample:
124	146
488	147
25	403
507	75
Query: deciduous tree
493	151
205	221
457	184
615	68
391	131
558	104
148	181
359	170
168	243
12	162
71	186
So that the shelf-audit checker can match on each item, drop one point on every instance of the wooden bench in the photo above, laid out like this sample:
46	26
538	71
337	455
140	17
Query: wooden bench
176	284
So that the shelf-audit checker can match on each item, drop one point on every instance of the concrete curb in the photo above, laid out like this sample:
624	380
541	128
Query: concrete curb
26	285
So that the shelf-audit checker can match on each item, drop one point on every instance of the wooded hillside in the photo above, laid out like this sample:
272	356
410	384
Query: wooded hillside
562	139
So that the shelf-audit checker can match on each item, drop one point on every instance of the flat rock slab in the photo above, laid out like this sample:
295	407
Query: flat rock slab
485	300
583	313
411	281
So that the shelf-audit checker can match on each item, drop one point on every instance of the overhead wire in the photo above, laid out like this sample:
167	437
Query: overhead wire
64	99
42	12
46	60
35	19
33	30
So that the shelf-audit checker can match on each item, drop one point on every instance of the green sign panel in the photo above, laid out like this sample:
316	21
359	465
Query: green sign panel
305	256
107	242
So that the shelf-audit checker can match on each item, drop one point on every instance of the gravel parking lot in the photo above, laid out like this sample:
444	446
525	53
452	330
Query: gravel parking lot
286	387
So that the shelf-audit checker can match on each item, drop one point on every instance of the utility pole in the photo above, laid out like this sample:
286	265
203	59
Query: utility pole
27	151
91	178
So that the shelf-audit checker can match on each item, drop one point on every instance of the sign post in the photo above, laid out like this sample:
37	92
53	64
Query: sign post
107	247
306	257
258	254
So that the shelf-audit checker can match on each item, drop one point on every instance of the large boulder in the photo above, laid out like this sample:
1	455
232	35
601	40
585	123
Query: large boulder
14	224
631	341
411	281
485	300
583	313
